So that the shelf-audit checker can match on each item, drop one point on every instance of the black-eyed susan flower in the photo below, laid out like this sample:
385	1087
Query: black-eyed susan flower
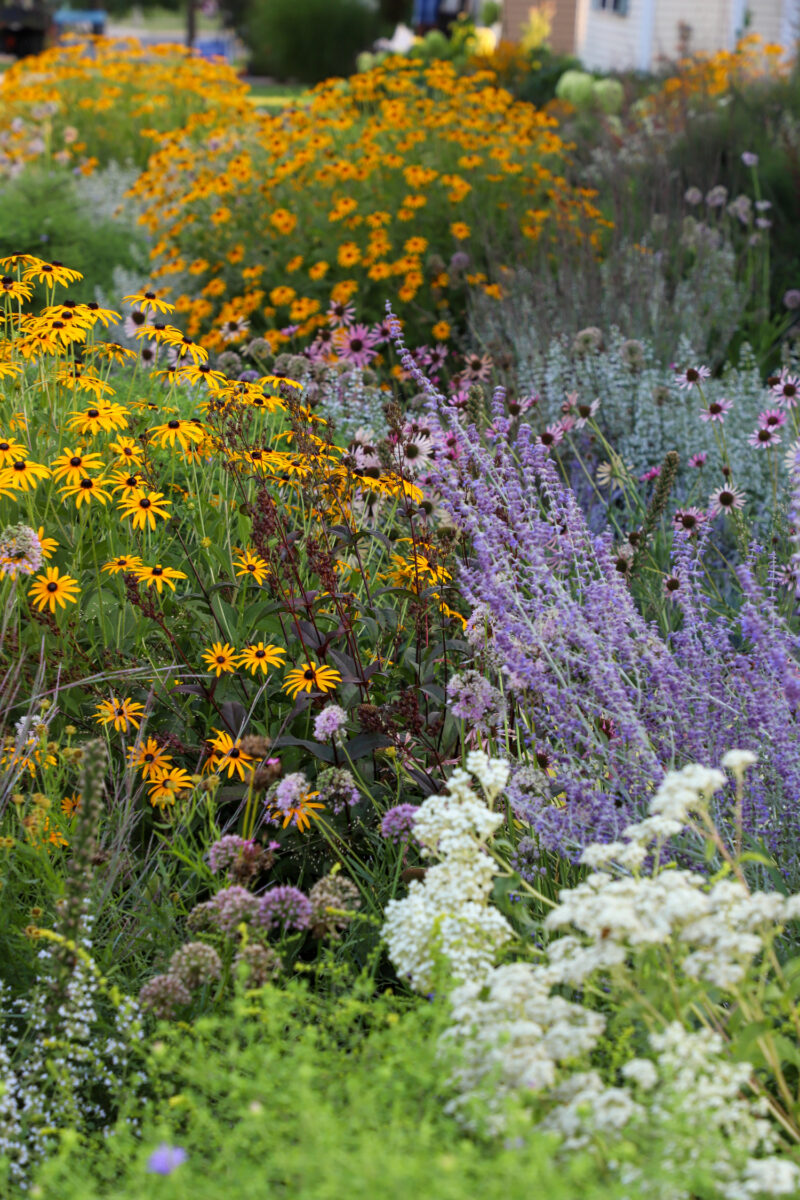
185	433
122	714
258	657
167	786
149	302
105	315
126	483
85	490
229	756
297	809
14	288
220	658
184	345
71	804
23	475
309	676
101	418
48	545
51	588
127	450
123	562
251	565
10	450
76	377
150	758
143	508
112	351
71	465
157	576
51	273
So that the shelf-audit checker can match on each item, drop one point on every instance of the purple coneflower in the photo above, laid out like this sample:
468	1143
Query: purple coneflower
653	473
692	376
764	437
340	314
477	368
518	406
688	519
135	321
355	344
725	500
551	436
699	459
787	389
583	412
772	418
716	411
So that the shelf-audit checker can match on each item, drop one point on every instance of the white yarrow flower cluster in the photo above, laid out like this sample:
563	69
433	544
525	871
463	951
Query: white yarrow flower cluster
516	1036
448	912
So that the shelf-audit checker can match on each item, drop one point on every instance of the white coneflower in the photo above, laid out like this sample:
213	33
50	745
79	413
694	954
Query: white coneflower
235	329
725	500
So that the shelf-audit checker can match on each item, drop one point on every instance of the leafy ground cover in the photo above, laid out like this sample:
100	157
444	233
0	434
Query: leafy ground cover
398	778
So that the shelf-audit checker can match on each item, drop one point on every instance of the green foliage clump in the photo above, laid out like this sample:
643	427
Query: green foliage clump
43	214
308	40
295	1095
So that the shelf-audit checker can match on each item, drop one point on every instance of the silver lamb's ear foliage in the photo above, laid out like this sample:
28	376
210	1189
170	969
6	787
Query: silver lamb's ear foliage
73	907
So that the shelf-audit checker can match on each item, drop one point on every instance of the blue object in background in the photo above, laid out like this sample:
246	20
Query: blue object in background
425	12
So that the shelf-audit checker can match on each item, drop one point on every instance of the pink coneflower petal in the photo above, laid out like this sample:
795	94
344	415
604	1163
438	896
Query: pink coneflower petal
772	418
716	410
355	344
688	520
340	315
699	459
764	437
692	376
787	389
551	436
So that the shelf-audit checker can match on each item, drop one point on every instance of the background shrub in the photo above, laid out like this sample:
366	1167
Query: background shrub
308	40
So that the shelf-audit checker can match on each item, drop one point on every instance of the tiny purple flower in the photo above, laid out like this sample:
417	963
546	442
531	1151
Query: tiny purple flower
283	908
329	724
166	1159
398	823
750	159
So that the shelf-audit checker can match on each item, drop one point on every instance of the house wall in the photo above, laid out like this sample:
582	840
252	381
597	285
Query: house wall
769	19
610	41
562	38
709	25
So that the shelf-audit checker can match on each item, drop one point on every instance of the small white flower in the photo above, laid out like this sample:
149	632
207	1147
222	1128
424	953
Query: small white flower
642	1072
739	760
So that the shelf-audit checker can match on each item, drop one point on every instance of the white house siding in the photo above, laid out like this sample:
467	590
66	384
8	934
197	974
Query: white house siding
768	19
708	27
610	42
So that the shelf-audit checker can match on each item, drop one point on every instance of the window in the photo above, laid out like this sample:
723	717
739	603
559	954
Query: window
620	7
